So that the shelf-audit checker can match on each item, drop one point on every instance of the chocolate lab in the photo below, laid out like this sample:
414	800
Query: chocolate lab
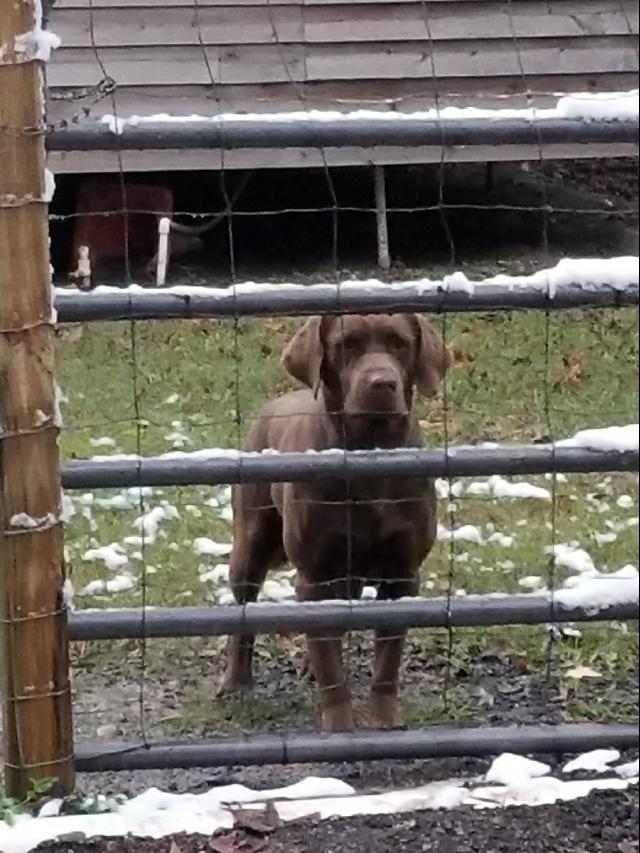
361	373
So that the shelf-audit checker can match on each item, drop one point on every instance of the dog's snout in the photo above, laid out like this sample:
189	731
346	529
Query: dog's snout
384	383
376	386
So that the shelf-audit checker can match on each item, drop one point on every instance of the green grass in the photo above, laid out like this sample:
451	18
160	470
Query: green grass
502	388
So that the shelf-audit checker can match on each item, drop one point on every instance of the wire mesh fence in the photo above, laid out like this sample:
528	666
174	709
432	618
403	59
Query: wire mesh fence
157	412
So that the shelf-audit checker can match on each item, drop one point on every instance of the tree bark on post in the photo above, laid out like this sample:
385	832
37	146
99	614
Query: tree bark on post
37	727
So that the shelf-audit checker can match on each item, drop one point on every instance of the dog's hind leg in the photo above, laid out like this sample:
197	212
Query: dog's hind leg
257	547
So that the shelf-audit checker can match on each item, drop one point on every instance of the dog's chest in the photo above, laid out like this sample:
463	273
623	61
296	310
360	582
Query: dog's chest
373	508
386	506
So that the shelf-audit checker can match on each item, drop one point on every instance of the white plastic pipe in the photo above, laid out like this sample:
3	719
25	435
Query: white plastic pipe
164	227
82	272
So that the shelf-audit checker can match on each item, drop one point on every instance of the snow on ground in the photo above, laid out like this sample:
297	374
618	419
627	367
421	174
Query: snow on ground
622	438
113	556
102	441
511	780
597	592
583	587
573	558
493	487
205	546
598	761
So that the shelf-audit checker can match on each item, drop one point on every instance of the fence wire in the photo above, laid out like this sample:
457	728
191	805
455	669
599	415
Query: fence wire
238	358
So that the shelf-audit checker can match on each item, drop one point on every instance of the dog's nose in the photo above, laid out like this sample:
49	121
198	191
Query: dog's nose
384	383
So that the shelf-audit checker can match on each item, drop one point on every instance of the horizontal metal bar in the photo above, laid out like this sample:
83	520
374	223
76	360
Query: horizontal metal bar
289	467
468	612
431	742
287	300
339	133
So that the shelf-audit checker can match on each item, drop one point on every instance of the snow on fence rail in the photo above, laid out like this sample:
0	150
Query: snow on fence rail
572	283
588	106
365	130
219	466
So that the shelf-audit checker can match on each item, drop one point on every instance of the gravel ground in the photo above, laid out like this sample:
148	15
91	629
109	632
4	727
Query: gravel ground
601	823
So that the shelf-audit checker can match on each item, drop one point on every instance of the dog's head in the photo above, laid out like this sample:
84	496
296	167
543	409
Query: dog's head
368	365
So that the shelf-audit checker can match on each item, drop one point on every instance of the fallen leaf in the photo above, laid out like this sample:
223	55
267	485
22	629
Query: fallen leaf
234	842
175	848
459	357
572	366
579	672
521	663
485	699
257	821
628	847
499	652
508	689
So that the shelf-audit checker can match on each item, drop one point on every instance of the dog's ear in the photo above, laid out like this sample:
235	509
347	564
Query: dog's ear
433	358
303	355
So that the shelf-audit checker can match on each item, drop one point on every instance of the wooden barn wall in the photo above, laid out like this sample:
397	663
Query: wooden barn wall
209	56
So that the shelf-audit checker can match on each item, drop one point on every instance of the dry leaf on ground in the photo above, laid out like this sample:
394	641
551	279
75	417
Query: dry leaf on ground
580	672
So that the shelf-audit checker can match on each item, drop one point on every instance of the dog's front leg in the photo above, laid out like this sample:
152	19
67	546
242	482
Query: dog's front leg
384	705
325	658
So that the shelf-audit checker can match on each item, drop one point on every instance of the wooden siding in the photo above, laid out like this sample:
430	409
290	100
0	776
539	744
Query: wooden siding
207	56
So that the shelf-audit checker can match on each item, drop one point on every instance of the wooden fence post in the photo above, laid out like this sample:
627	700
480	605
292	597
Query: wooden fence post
37	731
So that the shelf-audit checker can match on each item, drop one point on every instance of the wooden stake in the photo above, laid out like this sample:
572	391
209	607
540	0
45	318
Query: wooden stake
33	652
382	230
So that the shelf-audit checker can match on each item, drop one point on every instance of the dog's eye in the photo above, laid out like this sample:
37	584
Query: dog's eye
350	343
395	342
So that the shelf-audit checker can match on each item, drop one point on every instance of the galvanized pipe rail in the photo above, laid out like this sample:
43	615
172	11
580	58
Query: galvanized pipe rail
347	298
222	467
431	742
230	134
472	611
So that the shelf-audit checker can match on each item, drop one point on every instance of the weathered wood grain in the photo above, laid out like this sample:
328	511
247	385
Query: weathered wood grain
207	56
36	694
406	21
234	64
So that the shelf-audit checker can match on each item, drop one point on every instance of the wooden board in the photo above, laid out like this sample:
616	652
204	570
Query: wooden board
300	63
221	25
297	158
121	4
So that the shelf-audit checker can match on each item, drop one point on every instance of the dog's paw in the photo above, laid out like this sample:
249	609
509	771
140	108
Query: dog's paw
232	683
338	718
384	712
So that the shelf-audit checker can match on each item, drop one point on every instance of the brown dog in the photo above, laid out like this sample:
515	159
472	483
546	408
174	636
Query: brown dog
360	373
